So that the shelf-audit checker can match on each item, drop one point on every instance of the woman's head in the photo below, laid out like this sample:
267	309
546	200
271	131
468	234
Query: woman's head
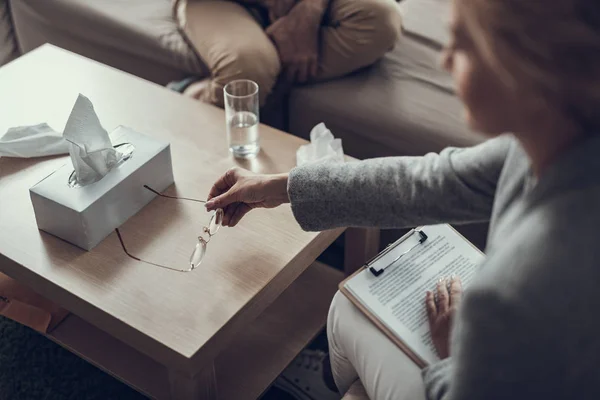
515	61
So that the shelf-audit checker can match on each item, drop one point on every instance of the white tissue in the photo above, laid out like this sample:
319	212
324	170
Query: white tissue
32	141
91	150
323	147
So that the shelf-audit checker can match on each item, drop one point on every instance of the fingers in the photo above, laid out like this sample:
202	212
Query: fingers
233	213
224	182
431	308
302	69
225	191
443	298
274	27
228	213
223	200
239	213
455	291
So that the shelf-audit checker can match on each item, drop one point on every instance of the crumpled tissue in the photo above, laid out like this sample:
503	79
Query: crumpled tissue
84	138
91	150
323	147
32	141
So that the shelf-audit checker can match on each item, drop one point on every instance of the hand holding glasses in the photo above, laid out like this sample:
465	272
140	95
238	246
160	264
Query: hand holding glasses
197	255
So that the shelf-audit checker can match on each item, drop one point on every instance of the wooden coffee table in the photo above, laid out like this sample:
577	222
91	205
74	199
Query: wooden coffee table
223	331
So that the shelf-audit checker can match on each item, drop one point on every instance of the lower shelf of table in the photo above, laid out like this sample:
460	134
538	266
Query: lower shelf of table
250	363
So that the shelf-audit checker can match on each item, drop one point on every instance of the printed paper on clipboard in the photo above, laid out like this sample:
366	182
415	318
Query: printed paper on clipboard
395	300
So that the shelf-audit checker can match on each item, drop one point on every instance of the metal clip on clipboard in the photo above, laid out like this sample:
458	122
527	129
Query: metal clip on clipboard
390	247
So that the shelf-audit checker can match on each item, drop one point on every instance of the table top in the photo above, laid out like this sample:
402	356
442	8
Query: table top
180	319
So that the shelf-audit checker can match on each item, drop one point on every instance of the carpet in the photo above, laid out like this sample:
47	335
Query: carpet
35	368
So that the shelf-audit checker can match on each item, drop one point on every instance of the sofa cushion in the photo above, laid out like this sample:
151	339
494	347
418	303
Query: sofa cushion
8	46
427	19
403	105
137	36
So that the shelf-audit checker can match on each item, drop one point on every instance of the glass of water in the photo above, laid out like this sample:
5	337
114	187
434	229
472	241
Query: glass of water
241	113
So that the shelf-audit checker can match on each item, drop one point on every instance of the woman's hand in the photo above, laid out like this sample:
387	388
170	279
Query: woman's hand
238	191
441	313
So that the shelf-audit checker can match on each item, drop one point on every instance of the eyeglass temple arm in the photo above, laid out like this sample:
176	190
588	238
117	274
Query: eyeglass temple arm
172	197
144	261
124	247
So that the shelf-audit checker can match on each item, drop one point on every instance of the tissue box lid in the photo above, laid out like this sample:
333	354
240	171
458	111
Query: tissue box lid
55	186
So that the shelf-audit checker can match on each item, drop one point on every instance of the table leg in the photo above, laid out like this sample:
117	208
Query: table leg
361	245
202	386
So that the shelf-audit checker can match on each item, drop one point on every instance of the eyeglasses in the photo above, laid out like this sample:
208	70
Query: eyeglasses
215	223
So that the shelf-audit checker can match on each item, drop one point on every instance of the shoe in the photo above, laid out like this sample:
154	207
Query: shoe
303	378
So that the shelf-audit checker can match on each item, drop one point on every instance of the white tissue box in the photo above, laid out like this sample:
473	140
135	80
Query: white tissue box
84	216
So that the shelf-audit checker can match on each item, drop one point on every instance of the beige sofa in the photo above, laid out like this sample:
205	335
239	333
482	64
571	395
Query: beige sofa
403	105
137	36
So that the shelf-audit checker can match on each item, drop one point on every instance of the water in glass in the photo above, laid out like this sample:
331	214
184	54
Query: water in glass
242	129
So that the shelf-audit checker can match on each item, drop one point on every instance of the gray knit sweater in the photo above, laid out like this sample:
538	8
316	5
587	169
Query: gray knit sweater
529	324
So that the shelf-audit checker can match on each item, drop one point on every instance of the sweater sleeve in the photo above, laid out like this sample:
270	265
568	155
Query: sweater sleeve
498	355
514	336
454	186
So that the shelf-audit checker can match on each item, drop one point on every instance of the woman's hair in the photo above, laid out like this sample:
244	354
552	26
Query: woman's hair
550	47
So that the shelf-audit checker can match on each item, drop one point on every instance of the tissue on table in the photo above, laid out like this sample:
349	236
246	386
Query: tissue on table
32	141
323	147
85	215
91	150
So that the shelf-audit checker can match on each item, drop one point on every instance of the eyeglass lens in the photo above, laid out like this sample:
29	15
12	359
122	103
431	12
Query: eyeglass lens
213	227
198	254
215	222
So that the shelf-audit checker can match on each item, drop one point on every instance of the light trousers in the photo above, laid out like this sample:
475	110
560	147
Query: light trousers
359	350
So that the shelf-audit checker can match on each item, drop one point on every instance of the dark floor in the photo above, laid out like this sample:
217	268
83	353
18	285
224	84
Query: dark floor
33	368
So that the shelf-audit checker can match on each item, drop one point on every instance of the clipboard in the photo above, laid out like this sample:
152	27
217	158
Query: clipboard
395	339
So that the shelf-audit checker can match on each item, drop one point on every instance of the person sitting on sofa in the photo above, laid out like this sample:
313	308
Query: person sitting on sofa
306	40
526	327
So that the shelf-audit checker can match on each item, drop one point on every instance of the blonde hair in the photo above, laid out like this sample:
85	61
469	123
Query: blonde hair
550	47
